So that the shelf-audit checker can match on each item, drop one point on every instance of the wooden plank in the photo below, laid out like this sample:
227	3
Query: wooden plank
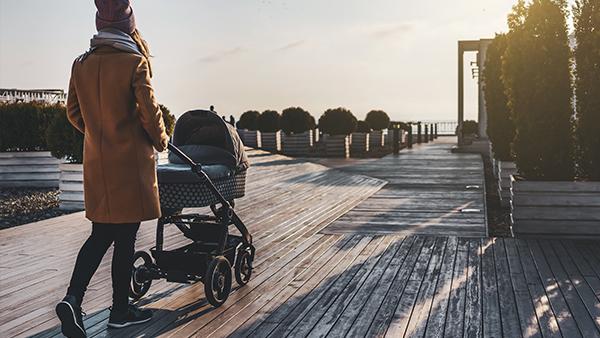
439	308
400	320
577	308
454	326
525	308
368	299
492	323
508	307
547	320
473	317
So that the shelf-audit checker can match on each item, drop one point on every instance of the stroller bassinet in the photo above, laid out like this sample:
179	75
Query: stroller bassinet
207	167
206	139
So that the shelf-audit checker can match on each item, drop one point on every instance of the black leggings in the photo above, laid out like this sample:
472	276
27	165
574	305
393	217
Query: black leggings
90	256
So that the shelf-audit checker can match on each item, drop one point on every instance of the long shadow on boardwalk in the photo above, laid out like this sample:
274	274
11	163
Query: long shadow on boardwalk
413	287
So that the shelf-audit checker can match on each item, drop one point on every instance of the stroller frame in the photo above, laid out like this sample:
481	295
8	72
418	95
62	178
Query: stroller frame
211	255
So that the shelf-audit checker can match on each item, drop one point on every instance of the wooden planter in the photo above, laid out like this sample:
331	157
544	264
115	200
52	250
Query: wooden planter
565	209
34	169
376	139
250	138
360	144
297	144
271	141
71	186
337	146
505	170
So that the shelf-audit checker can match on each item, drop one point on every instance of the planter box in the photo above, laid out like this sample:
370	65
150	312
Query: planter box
376	139
271	141
337	146
161	158
360	144
34	169
297	144
71	186
505	171
250	138
565	209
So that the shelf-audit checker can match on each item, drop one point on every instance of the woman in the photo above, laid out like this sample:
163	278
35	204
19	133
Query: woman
111	102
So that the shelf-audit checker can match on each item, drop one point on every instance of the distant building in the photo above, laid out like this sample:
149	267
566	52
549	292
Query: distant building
48	96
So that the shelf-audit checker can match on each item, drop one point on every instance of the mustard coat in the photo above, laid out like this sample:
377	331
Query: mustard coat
112	102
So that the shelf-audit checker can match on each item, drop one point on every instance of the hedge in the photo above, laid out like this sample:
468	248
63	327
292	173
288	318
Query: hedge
23	127
64	141
363	127
536	72
378	119
249	120
338	121
587	87
269	121
500	129
295	120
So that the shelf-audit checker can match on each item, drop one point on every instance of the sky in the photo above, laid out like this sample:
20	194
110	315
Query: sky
399	56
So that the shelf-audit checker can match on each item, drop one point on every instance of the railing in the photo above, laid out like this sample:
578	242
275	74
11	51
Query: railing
444	128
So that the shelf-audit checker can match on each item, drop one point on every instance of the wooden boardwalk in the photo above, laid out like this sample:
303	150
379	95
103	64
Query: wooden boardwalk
430	191
309	283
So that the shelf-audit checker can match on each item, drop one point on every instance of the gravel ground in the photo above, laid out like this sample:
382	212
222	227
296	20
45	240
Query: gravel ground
498	217
25	205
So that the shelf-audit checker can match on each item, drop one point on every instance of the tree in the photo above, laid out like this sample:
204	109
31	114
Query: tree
363	127
500	129
295	120
338	121
536	72
249	120
587	86
269	121
168	118
378	119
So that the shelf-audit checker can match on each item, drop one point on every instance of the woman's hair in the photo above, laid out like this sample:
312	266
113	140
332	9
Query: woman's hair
143	47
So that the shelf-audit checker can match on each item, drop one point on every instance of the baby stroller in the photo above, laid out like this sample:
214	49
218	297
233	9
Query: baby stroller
207	167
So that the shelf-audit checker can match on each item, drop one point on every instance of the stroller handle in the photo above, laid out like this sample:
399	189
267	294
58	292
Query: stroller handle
195	166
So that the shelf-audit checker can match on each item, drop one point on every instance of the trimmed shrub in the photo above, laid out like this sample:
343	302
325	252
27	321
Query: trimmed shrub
338	121
269	121
587	87
378	119
312	122
363	127
536	72
470	127
295	120
500	129
168	118
64	141
23	127
249	120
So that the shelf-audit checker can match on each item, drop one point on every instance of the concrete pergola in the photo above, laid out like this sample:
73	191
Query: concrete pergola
479	46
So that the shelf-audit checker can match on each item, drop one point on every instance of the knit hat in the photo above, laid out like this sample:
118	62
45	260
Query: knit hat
115	14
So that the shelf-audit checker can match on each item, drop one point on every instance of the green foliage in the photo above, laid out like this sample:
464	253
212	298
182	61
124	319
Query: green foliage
64	141
269	121
312	122
295	120
338	121
249	120
587	86
500	129
168	118
470	127
363	127
378	119
537	76
23	127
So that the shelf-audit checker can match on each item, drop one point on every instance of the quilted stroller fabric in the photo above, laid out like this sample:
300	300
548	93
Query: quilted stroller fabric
215	145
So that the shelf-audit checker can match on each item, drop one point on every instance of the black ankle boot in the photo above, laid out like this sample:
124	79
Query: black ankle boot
131	316
69	313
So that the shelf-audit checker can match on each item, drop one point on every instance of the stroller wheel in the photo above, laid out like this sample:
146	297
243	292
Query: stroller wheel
140	279
217	281
243	267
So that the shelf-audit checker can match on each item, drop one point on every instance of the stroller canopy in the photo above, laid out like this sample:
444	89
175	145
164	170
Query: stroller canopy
207	139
